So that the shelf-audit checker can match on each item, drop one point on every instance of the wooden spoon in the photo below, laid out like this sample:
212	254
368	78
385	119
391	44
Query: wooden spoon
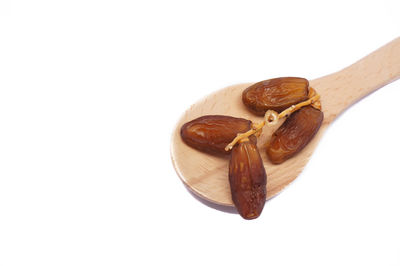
207	175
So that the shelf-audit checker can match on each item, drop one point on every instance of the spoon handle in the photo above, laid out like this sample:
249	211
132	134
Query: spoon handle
342	89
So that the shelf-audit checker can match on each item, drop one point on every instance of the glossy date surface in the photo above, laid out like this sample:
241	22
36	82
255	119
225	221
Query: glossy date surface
211	133
247	180
275	94
294	134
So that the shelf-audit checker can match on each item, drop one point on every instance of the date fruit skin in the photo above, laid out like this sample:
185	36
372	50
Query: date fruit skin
294	134
247	179
276	94
211	133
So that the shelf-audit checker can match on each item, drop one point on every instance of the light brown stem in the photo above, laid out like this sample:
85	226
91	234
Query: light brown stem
296	107
271	117
255	128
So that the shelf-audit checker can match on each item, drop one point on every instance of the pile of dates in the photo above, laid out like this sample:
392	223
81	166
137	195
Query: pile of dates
247	176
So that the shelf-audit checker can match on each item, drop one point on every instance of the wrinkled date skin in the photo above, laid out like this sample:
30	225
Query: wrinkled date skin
247	179
211	133
275	94
294	134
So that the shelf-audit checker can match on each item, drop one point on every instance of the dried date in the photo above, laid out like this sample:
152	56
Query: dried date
247	180
275	94
294	134
211	133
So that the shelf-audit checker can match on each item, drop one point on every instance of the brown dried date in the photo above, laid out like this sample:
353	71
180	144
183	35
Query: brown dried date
294	134
211	133
275	94
247	180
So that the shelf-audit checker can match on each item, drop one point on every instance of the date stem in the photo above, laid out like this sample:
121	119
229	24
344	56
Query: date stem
271	117
293	108
256	128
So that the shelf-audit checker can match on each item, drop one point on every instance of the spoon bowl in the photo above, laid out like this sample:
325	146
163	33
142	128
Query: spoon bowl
207	175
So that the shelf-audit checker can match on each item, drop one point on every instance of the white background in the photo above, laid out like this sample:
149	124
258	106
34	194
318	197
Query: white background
90	92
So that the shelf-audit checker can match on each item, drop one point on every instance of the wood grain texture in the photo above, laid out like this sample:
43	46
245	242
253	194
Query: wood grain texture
207	175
